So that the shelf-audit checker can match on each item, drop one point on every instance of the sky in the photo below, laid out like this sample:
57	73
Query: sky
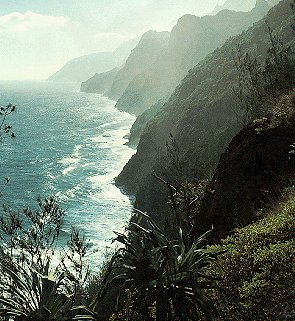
37	37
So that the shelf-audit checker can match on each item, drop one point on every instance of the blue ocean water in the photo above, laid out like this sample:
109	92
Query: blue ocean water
69	145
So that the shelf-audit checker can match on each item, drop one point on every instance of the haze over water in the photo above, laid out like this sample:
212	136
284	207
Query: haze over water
69	145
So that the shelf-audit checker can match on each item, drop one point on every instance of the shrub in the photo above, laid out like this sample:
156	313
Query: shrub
156	278
261	84
32	285
257	273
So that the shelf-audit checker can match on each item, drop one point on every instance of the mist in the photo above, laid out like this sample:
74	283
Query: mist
37	38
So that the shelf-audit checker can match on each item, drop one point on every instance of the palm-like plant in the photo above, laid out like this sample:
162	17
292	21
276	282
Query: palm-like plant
27	295
166	279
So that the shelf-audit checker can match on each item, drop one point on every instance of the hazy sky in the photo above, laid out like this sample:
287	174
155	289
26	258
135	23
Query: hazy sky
38	36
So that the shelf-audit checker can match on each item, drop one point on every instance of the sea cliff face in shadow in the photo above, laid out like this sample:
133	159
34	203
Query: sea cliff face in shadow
200	114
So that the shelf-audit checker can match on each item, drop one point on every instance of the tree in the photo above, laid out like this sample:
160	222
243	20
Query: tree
261	84
6	129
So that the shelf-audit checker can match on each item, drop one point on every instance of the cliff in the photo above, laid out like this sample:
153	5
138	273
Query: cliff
99	83
200	114
84	67
253	171
190	41
143	119
150	46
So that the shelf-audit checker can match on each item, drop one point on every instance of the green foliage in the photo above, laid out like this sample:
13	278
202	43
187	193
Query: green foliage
261	84
257	273
28	295
293	8
160	279
6	129
186	178
36	282
30	235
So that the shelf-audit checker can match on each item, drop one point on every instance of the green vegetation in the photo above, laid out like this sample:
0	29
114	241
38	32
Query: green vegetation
257	272
250	276
260	85
171	274
37	283
165	278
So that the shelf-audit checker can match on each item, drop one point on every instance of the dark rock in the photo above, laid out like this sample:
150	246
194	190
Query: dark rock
252	173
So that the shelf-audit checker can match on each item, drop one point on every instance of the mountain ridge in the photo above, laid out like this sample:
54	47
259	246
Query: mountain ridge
190	41
200	114
84	67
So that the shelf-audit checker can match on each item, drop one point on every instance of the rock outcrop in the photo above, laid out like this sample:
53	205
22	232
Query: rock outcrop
253	171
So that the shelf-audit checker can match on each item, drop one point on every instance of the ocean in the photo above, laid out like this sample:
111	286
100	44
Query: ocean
69	145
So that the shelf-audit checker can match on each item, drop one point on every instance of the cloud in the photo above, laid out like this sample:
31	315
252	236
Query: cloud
21	22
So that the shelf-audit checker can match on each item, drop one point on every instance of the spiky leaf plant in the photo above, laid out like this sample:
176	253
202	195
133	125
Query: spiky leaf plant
28	295
166	279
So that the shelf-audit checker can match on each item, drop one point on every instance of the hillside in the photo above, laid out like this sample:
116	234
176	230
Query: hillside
84	67
114	82
257	270
150	46
190	41
200	114
99	83
147	115
256	167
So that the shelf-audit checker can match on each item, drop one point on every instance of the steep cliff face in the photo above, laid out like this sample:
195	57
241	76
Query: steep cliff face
200	113
190	41
82	68
142	56
143	119
253	171
100	83
141	122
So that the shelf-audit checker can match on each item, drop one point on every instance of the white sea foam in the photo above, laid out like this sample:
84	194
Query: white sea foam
74	158
68	170
68	194
72	162
109	124
82	175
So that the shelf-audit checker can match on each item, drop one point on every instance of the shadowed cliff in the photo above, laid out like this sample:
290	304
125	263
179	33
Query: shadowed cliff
201	112
253	171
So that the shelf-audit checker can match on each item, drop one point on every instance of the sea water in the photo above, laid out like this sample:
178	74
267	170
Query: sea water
69	145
